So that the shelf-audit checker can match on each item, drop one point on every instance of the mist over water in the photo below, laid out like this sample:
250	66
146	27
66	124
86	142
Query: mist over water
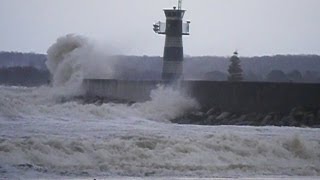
42	136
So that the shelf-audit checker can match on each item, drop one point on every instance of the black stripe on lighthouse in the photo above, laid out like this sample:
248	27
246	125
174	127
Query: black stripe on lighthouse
173	50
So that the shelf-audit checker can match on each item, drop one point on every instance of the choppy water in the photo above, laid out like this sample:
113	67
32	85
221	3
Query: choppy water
43	138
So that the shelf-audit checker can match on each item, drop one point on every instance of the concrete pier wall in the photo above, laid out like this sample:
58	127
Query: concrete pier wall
229	96
124	90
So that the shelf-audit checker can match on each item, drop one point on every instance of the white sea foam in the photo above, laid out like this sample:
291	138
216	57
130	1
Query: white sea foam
41	136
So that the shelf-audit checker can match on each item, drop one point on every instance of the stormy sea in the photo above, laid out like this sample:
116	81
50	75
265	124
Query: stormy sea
46	133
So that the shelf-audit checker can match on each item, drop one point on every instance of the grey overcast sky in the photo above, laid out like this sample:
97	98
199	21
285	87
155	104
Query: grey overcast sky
218	27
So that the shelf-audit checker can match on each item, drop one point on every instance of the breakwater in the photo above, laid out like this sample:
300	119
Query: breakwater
229	96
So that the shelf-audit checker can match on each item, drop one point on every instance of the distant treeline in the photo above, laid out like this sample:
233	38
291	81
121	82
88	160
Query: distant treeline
23	69
13	59
279	68
23	76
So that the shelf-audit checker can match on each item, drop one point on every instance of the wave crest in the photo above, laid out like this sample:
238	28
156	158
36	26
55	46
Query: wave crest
64	59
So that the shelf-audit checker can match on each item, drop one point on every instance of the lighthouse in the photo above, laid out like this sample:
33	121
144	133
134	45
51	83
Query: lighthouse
174	28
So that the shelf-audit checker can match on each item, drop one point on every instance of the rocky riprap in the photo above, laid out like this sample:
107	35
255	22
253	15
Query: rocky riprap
298	117
97	100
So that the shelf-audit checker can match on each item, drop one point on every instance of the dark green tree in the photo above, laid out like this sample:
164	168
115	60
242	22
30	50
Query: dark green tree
294	76
235	71
277	76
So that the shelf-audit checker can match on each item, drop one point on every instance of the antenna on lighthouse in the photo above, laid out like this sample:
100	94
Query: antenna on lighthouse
179	4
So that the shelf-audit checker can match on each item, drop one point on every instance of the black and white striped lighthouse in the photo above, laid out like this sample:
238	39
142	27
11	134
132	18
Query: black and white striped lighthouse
174	29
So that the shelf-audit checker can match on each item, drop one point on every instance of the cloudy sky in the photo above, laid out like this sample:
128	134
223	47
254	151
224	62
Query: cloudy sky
218	27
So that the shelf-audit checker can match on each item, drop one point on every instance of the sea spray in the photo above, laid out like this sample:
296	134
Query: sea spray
72	58
166	104
64	59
